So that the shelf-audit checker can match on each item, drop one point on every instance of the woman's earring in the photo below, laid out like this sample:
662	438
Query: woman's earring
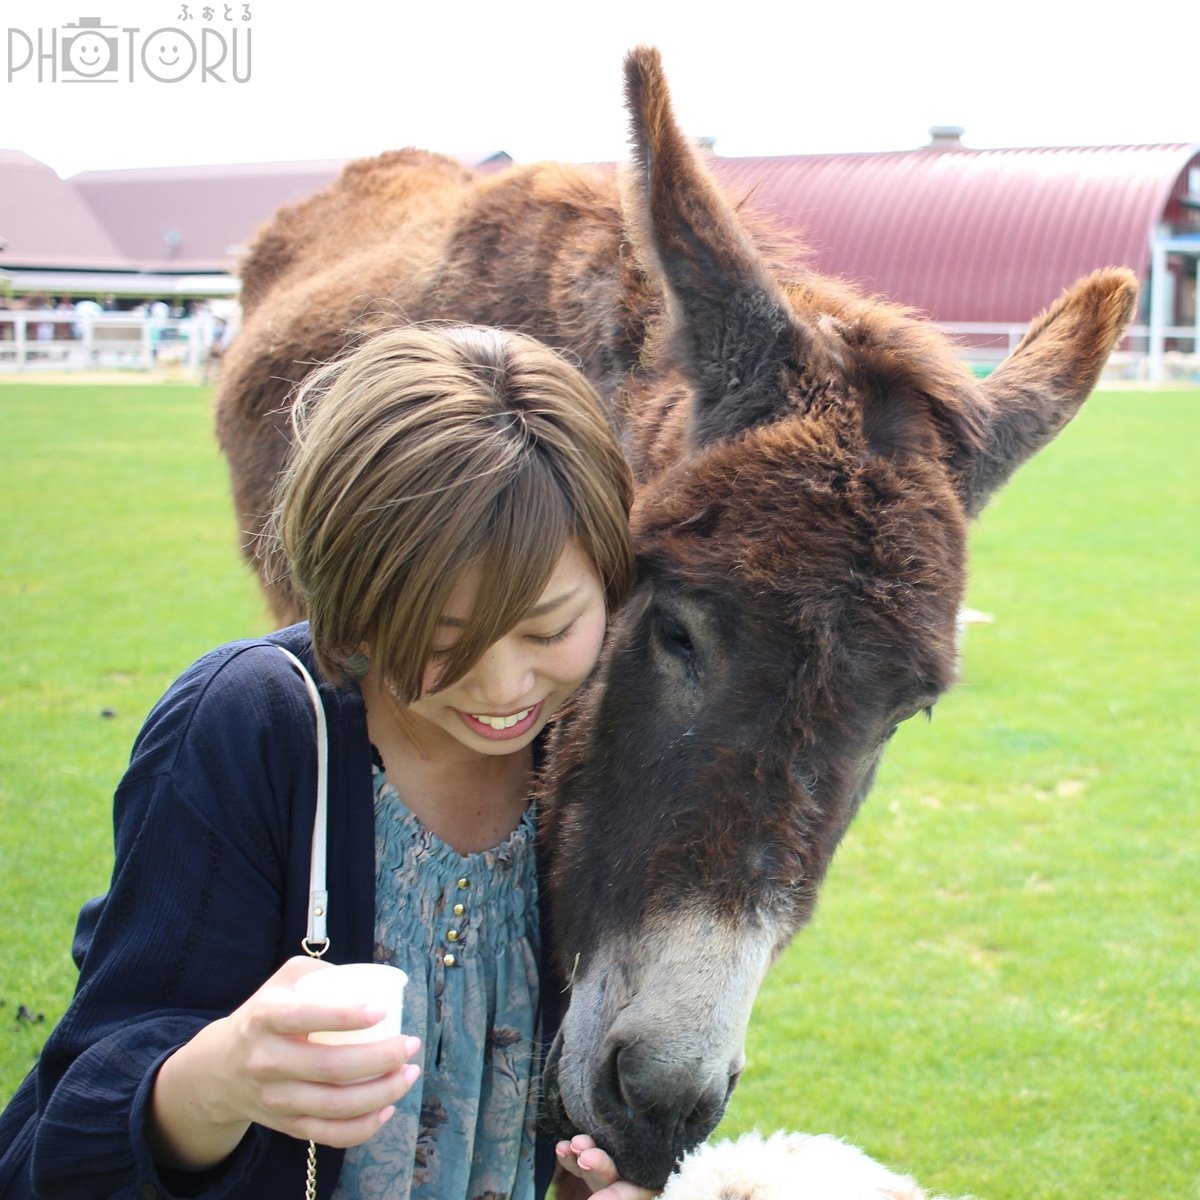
358	664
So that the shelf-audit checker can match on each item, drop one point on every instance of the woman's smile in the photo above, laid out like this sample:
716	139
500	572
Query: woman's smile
505	700
502	727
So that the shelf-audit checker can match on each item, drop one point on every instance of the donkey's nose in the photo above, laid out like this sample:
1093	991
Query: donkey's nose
676	1090
664	1104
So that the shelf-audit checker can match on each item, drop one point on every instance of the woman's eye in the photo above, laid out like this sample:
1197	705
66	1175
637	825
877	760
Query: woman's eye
550	638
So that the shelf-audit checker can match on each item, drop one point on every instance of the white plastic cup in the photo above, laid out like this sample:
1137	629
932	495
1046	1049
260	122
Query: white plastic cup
374	984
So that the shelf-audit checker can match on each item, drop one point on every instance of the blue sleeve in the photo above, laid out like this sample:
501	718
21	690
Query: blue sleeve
198	916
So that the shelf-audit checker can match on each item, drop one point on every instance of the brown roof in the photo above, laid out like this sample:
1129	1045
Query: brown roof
194	218
973	235
199	218
159	219
44	223
965	235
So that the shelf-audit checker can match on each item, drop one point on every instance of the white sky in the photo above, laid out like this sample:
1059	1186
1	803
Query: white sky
542	78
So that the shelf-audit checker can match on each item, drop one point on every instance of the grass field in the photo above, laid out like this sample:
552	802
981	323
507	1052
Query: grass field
1001	990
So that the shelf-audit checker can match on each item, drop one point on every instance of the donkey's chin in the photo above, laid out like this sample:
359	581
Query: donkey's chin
552	1114
646	1151
652	1042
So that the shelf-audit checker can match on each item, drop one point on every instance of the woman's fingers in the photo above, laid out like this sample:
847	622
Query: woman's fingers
340	1134
585	1160
288	1014
294	1057
333	1114
297	1085
355	1063
258	1065
296	1098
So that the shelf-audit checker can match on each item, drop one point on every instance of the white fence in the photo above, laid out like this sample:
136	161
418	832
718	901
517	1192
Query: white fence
49	339
1176	357
57	340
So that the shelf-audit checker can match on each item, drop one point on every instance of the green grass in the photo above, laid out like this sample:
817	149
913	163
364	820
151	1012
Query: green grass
1001	990
120	565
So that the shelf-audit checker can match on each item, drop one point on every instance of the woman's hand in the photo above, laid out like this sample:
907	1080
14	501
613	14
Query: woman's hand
257	1066
585	1160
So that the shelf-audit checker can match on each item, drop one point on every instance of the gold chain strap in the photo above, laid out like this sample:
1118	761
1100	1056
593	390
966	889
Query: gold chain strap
310	1175
310	1178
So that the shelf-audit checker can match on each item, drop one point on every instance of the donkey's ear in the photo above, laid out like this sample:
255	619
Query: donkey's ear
732	331
1036	390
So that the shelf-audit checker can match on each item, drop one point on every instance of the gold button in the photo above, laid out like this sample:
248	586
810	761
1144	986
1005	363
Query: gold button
448	959
459	909
464	883
452	935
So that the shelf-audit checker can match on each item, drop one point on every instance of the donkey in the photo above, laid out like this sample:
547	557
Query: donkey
807	462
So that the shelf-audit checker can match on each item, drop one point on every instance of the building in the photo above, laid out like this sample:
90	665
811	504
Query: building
980	240
166	233
990	237
141	263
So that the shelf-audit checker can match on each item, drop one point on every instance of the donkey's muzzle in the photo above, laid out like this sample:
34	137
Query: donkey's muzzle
658	1107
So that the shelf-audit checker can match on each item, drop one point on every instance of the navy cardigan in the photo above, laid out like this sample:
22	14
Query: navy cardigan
213	826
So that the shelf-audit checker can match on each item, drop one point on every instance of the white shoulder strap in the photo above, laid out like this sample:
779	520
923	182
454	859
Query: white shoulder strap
316	943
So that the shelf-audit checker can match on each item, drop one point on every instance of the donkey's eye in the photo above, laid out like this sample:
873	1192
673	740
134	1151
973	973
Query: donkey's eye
925	710
675	639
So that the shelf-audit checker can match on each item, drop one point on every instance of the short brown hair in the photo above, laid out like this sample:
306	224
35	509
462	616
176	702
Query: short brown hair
428	451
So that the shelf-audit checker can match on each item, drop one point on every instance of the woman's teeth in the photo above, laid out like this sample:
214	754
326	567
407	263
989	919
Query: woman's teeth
502	722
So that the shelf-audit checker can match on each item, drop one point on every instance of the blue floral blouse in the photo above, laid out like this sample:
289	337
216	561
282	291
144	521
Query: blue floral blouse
465	929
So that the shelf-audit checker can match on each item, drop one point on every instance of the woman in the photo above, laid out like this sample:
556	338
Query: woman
454	516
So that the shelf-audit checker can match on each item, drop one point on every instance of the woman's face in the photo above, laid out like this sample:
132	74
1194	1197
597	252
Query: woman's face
507	697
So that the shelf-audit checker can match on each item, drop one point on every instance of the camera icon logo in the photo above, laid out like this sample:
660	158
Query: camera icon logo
89	55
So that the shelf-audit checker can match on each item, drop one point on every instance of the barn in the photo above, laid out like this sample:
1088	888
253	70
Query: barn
982	239
979	240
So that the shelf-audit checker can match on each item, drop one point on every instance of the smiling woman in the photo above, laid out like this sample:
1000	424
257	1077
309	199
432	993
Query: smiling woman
497	482
526	674
455	518
482	726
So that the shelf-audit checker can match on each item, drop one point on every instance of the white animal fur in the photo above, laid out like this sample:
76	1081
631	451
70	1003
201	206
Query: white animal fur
786	1166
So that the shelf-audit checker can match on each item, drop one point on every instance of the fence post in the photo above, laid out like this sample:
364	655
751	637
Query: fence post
1196	307
1158	308
199	339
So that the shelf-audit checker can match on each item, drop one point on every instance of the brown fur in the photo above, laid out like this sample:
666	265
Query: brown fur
807	460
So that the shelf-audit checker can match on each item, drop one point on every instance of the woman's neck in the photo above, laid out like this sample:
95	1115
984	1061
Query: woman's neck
472	801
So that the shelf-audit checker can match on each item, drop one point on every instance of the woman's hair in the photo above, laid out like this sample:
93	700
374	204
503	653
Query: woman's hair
426	452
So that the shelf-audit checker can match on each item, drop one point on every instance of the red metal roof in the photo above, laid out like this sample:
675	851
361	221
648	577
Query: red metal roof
44	224
200	218
965	235
194	218
168	219
972	235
